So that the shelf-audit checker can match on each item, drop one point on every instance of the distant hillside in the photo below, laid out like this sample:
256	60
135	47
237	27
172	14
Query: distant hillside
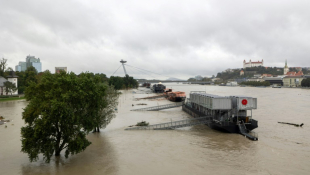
249	72
174	79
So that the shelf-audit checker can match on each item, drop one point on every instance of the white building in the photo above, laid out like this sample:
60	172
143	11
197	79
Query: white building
11	78
252	64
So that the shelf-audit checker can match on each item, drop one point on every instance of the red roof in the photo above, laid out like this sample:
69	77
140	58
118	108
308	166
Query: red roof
267	75
295	74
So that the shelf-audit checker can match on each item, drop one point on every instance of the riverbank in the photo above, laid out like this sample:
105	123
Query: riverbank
11	99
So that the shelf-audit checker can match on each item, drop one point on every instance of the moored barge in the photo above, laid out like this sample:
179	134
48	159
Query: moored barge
231	114
158	88
177	96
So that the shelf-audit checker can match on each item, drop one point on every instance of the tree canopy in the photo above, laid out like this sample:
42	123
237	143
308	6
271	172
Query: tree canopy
62	109
108	113
10	87
25	78
305	82
123	82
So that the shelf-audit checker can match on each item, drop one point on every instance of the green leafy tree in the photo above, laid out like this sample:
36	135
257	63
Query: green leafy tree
106	114
62	109
21	81
26	77
305	82
7	71
123	82
30	76
127	81
117	82
103	77
10	87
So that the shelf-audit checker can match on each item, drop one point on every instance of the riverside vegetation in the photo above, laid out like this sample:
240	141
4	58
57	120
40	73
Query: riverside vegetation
63	108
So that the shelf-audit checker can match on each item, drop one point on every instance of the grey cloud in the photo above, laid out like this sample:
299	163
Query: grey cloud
173	38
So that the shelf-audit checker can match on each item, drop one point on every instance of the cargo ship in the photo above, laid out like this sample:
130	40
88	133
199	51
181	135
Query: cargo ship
158	88
231	114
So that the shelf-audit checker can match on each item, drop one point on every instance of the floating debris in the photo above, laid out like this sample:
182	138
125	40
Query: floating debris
143	123
2	121
141	104
152	97
297	125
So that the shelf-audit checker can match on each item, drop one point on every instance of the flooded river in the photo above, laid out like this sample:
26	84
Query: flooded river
281	149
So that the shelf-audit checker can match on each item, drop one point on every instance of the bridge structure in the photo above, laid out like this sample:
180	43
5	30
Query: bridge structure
157	81
175	81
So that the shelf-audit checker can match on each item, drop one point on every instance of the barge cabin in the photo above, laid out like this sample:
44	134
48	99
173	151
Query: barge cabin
231	114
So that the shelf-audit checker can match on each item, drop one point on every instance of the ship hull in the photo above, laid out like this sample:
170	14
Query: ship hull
232	127
229	127
177	99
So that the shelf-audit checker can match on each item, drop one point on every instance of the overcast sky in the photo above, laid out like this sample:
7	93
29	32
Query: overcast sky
172	38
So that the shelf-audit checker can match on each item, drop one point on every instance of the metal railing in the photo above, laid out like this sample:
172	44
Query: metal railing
175	124
243	131
160	107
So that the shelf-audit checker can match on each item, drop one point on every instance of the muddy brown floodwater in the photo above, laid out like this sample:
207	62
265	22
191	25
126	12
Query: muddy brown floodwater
281	149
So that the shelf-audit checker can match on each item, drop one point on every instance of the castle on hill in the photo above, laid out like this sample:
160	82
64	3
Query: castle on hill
253	63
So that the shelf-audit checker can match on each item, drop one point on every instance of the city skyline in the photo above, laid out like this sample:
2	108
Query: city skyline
30	61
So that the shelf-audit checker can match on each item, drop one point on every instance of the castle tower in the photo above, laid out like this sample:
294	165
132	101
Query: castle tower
286	69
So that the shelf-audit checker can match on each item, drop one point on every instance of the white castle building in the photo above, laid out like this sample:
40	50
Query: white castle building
253	64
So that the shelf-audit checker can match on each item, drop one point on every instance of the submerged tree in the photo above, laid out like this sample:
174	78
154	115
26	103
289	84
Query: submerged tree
105	115
62	109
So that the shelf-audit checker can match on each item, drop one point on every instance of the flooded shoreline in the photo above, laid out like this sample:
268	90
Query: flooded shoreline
281	149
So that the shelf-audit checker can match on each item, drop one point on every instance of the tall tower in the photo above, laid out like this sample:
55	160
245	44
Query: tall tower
286	69
123	61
